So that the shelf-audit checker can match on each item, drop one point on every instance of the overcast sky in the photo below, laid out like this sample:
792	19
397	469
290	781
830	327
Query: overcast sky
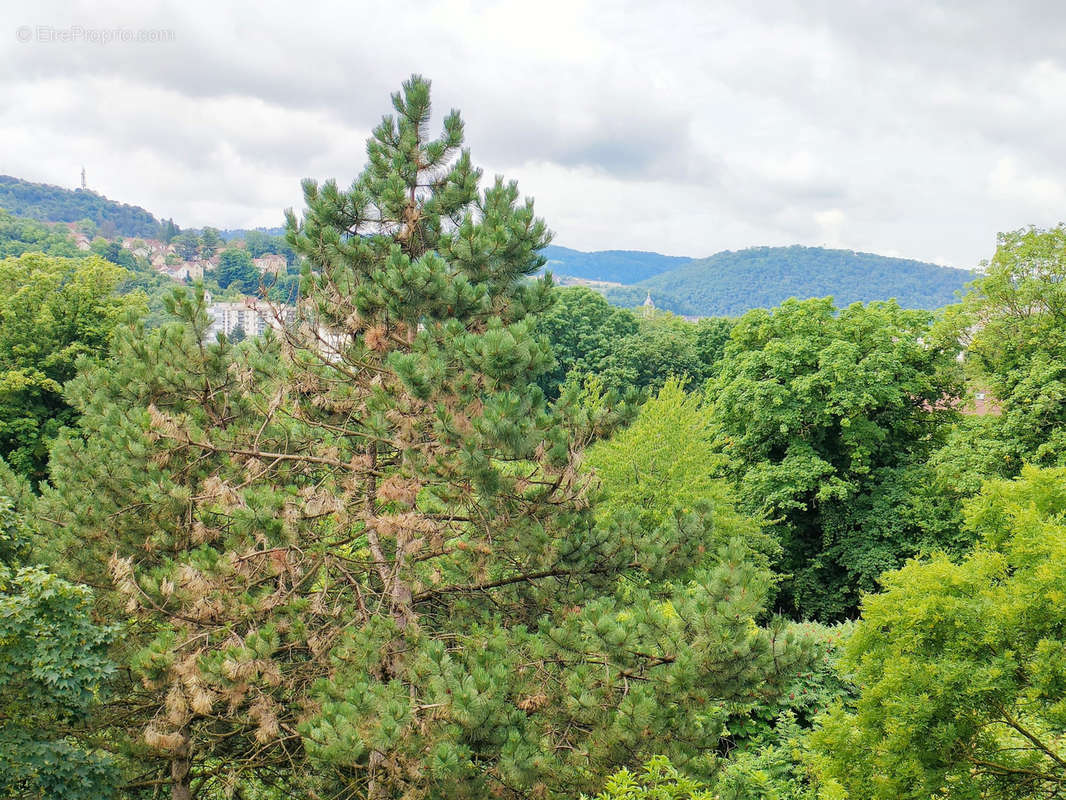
911	127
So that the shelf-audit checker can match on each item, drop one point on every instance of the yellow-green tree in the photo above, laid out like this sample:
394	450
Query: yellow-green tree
53	311
962	681
666	469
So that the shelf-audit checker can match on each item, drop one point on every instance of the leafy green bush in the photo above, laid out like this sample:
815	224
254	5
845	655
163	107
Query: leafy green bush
659	780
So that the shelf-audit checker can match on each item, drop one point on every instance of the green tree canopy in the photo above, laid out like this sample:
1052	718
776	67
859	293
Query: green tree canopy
53	667
235	268
186	245
260	243
828	418
18	236
666	466
658	780
42	201
590	338
662	347
582	330
210	241
113	251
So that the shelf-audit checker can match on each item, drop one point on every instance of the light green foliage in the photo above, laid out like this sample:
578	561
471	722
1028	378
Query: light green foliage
769	774
665	466
959	664
18	236
664	461
1014	325
828	418
53	311
658	780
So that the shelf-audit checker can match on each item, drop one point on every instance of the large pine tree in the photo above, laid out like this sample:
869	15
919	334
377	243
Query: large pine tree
358	557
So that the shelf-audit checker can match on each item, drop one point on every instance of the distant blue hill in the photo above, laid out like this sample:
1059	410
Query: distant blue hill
734	281
616	266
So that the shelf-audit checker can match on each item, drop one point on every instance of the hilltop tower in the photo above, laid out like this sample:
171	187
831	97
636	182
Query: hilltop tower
83	185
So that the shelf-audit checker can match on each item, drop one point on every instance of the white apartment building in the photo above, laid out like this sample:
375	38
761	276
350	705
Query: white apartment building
244	314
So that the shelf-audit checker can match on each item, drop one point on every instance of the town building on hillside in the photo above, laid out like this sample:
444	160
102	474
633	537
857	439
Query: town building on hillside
186	270
270	263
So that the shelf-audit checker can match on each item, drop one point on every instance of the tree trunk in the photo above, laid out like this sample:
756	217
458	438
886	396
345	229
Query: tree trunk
375	790
180	766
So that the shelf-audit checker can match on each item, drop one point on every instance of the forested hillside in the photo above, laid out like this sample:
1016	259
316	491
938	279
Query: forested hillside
228	234
42	201
732	282
449	532
725	284
613	266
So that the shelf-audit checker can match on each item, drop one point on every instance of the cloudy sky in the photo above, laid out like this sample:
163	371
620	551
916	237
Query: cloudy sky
912	127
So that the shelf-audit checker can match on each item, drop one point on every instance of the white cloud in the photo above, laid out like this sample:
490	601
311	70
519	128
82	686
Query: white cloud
1008	181
830	222
915	128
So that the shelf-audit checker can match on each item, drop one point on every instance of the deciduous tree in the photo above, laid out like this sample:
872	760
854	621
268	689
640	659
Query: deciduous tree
828	418
959	664
53	311
235	268
1013	326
